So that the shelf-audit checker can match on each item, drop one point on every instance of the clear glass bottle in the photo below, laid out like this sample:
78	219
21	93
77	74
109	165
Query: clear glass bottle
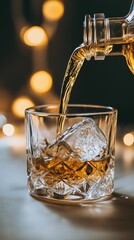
110	36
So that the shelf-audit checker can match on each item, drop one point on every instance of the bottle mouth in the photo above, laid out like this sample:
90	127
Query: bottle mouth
97	29
87	35
96	33
100	33
93	27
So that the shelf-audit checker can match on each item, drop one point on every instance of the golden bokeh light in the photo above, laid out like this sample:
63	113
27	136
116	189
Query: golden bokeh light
41	82
35	36
8	129
53	10
20	104
128	139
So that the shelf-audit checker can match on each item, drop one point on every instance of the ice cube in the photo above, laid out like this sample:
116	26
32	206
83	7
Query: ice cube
86	139
60	149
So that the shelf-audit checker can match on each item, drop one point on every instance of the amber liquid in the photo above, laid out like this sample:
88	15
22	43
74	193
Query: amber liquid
128	51
71	170
74	66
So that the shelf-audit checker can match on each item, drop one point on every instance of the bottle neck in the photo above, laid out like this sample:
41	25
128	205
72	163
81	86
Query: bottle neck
102	35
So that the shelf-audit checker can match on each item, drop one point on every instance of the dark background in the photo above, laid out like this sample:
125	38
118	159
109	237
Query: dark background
107	82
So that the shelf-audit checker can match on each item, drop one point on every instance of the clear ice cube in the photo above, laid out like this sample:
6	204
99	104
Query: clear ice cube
84	139
87	139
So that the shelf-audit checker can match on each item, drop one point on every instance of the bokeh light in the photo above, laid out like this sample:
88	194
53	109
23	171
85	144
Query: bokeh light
20	104
3	120
41	82
128	139
35	36
8	129
53	10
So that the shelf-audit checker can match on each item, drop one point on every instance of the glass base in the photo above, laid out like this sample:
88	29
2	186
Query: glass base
72	201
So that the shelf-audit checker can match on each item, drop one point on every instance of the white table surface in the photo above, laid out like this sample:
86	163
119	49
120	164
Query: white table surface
24	218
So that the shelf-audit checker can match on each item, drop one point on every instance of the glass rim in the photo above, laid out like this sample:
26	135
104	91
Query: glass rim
35	110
